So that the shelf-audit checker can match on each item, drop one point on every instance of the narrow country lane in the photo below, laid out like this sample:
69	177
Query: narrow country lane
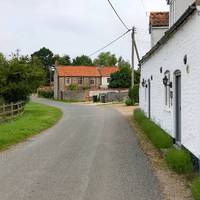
91	154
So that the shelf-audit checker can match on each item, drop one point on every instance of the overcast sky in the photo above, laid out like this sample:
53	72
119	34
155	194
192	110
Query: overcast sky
73	27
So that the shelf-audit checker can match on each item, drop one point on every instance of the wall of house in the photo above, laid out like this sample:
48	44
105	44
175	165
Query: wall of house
170	57
55	85
177	8
156	34
105	82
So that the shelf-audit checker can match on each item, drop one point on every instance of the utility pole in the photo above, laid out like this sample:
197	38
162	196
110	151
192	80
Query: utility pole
133	52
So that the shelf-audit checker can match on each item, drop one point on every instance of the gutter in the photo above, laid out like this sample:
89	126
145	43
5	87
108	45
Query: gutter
170	32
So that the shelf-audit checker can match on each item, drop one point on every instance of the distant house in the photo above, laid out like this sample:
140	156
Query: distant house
82	76
170	71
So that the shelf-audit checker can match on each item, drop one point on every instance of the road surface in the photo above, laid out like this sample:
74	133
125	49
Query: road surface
91	154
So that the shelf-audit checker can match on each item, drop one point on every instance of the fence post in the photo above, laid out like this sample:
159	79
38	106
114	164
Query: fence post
11	109
3	113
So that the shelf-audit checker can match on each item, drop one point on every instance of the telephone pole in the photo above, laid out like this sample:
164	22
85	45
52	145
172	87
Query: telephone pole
133	54
134	49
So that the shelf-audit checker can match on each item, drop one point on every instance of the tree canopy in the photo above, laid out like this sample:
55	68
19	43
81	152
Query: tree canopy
82	60
106	59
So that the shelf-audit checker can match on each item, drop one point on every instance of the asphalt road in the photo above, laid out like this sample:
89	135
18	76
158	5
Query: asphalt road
91	154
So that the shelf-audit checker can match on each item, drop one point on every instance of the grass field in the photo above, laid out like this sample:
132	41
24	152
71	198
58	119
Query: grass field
36	118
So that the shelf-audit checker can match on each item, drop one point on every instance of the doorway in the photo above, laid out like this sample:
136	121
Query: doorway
178	107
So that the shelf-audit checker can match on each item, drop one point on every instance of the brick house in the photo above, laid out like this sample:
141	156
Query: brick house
169	88
82	76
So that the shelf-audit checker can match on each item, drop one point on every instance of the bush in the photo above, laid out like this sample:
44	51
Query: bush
158	136
86	87
129	102
46	93
73	87
196	188
179	160
133	93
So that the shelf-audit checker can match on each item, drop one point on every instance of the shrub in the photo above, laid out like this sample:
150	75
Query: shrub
158	136
133	93
73	87
46	93
196	188
86	87
129	102
179	160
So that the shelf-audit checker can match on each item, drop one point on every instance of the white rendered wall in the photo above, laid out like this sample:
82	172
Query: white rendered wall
156	34
170	57
104	82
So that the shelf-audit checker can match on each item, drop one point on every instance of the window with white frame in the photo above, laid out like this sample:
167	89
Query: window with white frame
167	90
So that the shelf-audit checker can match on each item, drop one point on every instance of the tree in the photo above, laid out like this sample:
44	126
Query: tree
46	57
21	76
62	60
82	60
106	59
122	63
121	79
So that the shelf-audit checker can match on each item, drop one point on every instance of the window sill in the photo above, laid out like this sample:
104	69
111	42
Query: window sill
167	109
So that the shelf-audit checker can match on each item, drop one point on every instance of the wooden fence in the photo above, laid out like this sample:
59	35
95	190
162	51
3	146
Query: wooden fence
11	110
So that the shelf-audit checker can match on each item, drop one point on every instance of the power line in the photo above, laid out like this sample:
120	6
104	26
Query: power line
118	15
110	43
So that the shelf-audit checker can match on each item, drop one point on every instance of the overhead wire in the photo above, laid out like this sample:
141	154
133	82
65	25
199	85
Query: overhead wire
110	43
118	15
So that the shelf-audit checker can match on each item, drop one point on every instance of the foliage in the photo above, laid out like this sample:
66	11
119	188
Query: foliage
73	87
46	93
35	119
129	102
133	93
20	77
122	63
46	57
196	188
158	137
121	79
179	160
62	60
106	59
86	87
137	76
82	60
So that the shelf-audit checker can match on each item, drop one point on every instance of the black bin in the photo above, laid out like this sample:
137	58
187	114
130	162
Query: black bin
95	98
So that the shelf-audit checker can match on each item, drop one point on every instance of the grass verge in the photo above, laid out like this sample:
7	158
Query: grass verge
158	137
36	118
196	188
179	160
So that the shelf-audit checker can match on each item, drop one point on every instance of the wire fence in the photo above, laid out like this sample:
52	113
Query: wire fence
11	110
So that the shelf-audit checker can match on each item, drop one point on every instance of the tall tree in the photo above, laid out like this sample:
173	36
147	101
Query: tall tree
46	57
106	59
82	60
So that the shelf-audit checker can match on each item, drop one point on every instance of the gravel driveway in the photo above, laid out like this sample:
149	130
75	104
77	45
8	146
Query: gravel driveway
91	154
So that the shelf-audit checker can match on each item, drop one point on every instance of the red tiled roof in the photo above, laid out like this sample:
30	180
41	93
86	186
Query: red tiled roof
78	71
107	71
85	71
158	19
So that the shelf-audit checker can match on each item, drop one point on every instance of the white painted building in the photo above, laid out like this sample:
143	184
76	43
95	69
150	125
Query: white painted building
175	61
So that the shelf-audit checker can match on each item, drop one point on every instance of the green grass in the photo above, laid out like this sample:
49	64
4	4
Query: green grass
36	118
196	188
158	137
179	160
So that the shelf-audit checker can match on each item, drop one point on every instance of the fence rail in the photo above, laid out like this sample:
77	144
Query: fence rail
11	110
